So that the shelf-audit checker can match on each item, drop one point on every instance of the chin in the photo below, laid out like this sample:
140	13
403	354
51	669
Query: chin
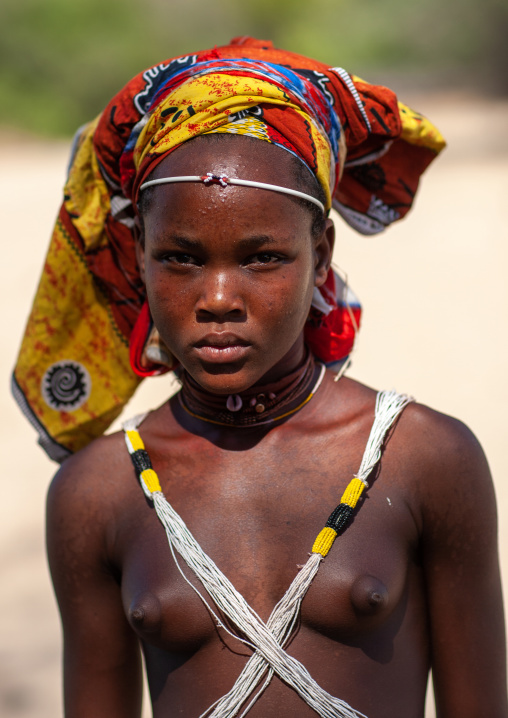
224	379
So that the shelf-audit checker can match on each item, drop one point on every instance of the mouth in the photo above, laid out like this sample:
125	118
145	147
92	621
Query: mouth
222	347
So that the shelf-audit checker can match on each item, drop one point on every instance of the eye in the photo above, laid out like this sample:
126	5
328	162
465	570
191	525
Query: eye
264	259
179	259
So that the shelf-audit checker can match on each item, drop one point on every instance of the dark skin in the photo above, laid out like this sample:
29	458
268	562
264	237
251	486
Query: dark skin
412	583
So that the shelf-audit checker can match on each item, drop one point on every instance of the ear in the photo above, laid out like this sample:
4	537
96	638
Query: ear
323	251
139	240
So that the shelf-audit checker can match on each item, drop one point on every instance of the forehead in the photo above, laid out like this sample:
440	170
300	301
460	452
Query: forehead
232	155
195	207
222	216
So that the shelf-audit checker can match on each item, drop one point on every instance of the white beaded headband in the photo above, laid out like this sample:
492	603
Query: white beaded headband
210	178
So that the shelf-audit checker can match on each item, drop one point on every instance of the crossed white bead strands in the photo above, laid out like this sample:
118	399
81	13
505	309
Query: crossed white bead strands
267	640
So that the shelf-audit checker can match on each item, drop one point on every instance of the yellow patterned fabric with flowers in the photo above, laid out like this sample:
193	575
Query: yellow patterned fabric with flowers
82	354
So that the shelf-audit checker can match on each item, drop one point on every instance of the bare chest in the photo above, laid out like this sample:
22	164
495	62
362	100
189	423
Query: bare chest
256	515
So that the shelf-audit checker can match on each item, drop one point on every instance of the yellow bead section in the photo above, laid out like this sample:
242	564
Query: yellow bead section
352	493
151	480
324	541
135	439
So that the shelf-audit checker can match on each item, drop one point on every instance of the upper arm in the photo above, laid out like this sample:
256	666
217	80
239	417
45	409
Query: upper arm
101	653
462	577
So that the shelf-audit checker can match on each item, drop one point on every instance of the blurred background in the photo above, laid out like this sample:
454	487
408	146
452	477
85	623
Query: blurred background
434	288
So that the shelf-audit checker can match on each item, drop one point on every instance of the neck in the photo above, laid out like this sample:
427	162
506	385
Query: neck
260	404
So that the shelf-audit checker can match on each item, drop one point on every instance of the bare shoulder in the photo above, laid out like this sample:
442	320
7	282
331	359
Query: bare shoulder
437	442
436	455
86	494
442	443
98	483
93	472
449	476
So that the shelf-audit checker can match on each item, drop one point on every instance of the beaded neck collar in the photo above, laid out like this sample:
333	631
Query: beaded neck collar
257	405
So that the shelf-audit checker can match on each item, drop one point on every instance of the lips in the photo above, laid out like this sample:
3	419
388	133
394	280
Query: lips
222	347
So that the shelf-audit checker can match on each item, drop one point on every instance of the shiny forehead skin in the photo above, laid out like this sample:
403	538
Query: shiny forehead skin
242	158
235	156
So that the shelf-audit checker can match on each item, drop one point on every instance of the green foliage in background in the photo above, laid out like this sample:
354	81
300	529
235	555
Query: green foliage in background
62	60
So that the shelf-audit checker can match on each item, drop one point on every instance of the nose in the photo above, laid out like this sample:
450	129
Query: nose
220	297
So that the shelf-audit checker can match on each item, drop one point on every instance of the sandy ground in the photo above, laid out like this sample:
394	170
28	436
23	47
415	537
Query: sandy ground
435	295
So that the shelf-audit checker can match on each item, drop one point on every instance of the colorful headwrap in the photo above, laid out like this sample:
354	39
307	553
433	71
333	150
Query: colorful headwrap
84	349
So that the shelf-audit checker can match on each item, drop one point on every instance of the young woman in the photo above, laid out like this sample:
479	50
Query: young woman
231	158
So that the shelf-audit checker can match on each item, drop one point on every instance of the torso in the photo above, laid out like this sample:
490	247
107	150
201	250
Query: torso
256	511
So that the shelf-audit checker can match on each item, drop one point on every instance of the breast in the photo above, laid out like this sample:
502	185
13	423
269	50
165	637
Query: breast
369	596
361	585
160	605
145	613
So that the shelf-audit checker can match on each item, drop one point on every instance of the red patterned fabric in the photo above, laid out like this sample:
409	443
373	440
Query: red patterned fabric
366	149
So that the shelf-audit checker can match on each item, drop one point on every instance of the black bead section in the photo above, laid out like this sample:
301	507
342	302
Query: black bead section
339	518
141	460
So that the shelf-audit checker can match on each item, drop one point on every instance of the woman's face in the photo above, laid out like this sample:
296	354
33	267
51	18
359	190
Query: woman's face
230	272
